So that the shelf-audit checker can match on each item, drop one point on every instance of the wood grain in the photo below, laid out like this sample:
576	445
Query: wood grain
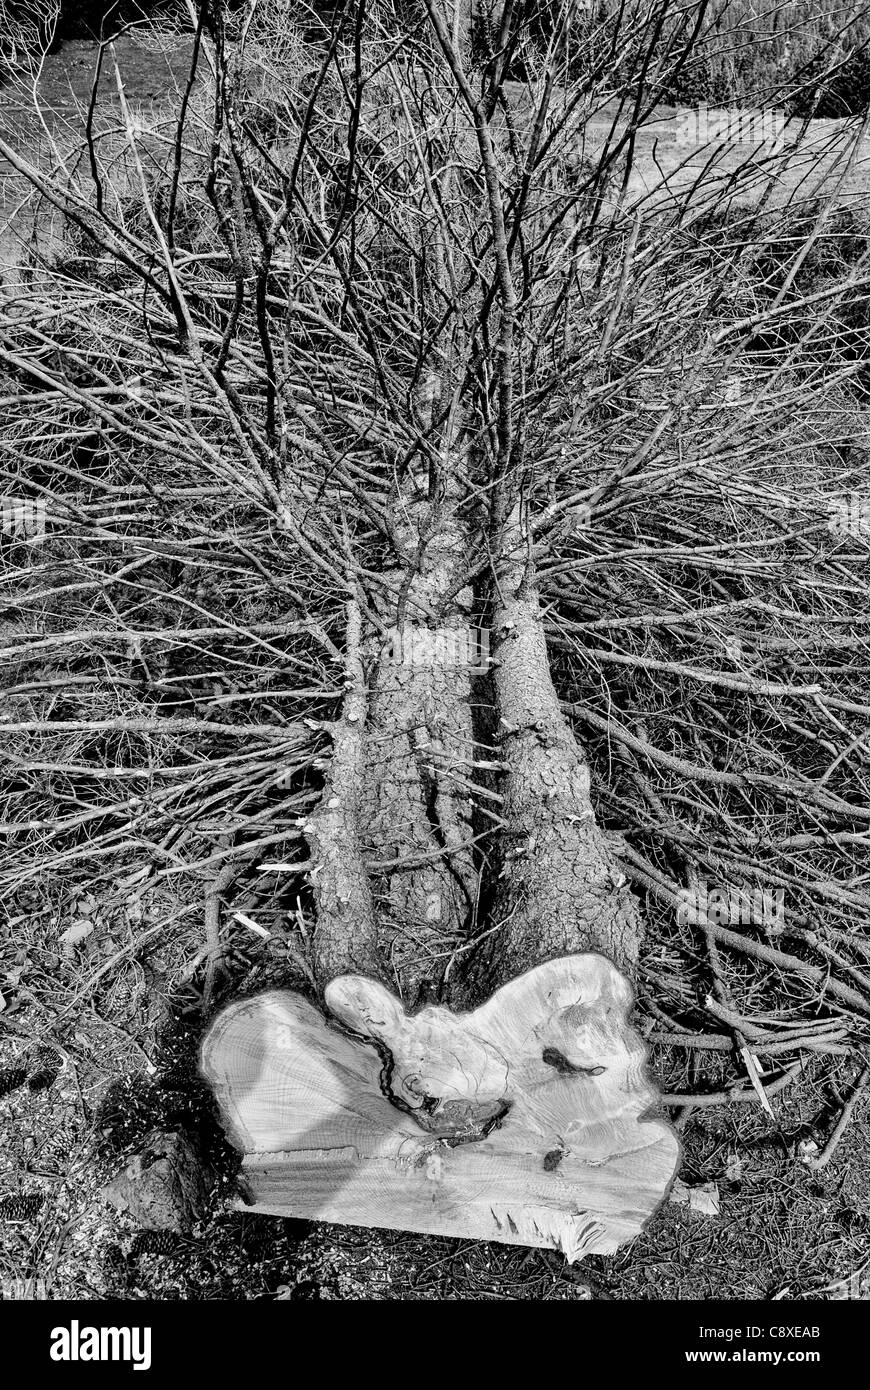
382	1129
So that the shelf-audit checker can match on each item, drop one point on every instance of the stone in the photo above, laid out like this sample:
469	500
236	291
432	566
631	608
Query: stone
164	1187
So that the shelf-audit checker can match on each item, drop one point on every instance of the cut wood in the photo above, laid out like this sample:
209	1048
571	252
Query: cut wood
521	1122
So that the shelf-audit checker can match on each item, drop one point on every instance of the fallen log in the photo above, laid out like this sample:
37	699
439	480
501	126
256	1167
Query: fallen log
472	1071
519	1115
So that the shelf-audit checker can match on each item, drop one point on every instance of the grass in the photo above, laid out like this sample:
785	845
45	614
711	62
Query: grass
791	53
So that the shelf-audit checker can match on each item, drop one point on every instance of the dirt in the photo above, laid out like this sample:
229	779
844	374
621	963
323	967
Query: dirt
783	1230
149	72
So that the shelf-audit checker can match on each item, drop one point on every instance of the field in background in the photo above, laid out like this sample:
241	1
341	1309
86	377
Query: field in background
664	164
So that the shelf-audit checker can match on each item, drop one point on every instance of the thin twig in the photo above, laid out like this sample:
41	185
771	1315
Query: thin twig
822	1159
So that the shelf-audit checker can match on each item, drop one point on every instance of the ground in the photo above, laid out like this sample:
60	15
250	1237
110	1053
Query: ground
104	1069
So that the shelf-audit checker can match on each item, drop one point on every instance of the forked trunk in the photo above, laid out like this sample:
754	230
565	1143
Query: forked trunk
458	861
521	1119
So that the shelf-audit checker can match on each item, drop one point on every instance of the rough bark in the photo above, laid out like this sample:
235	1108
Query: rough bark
399	879
415	805
560	888
346	936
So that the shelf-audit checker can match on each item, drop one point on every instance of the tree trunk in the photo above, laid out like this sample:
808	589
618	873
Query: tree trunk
458	860
560	889
519	1120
